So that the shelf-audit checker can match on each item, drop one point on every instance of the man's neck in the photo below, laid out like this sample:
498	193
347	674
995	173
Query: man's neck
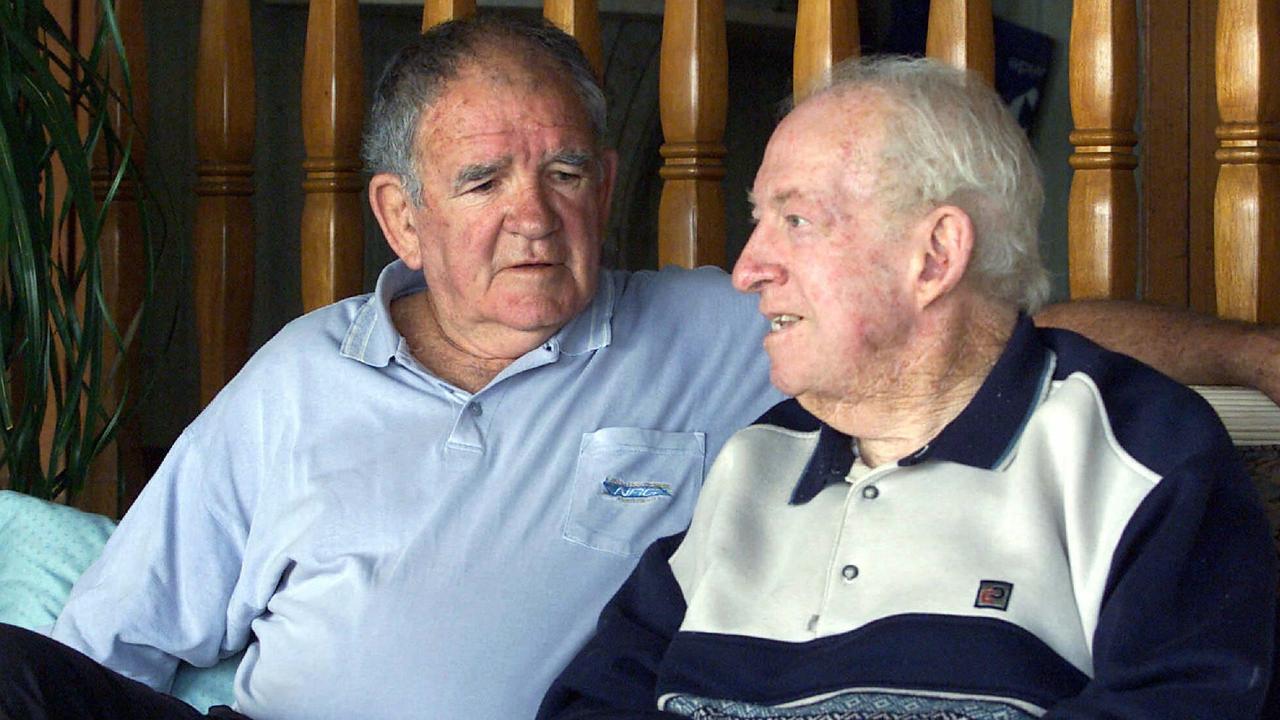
415	318
933	379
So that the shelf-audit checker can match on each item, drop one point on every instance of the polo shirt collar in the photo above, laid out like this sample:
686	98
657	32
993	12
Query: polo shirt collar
372	337
982	435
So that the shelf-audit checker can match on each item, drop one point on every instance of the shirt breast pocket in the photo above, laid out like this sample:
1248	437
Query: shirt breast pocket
633	486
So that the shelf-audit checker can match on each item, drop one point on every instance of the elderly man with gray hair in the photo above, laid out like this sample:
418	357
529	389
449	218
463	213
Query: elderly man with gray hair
958	515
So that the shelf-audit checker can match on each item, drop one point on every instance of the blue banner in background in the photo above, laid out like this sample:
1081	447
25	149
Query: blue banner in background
1023	56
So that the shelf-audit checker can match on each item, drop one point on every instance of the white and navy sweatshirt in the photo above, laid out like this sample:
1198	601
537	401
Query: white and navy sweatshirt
1080	542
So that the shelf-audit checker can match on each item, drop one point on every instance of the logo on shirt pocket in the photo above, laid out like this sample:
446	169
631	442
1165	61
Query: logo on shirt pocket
635	492
632	486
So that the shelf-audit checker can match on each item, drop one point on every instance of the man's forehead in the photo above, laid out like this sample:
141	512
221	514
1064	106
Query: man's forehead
823	139
474	104
571	136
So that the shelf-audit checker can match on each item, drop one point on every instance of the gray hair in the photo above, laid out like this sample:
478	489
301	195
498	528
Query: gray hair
953	142
417	75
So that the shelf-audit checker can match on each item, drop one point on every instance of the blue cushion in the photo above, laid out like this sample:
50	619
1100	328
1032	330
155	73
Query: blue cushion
44	547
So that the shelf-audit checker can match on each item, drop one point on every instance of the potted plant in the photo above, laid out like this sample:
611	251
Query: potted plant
67	162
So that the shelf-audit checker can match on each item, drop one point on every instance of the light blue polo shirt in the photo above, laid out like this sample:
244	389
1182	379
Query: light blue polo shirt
387	545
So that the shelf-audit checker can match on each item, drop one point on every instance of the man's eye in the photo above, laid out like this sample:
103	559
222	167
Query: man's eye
565	177
483	187
795	221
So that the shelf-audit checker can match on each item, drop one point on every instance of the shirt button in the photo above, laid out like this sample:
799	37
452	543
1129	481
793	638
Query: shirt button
849	572
871	492
476	409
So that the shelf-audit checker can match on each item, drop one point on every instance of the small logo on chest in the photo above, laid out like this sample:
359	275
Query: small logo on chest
635	492
994	594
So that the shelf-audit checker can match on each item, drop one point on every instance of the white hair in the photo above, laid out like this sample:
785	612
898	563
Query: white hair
953	142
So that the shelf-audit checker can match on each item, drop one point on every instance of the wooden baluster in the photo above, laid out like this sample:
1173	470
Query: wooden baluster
1246	224
693	96
435	12
223	234
124	263
826	33
961	33
332	117
580	19
1102	210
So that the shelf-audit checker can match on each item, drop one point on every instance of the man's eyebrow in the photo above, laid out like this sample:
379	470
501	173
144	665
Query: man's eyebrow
775	199
476	172
575	158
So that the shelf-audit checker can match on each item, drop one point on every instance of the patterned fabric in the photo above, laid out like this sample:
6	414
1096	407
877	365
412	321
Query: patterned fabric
44	547
849	706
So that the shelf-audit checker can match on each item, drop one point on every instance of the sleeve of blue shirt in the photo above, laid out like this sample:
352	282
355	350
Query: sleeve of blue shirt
615	675
1186	626
161	591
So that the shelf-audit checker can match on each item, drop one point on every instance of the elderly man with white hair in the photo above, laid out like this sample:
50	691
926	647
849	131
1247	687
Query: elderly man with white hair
958	515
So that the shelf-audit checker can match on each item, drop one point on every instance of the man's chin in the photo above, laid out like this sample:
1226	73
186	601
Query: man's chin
782	382
537	317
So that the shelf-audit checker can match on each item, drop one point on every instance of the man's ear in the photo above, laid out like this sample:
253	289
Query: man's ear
393	208
944	245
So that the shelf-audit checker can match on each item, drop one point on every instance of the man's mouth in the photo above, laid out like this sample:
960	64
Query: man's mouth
779	322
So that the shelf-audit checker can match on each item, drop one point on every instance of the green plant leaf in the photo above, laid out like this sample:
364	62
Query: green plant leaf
55	322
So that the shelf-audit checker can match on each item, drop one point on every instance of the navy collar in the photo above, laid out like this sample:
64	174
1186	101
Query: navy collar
981	436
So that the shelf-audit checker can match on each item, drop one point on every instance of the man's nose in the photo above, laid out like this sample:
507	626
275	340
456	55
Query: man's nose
757	266
531	215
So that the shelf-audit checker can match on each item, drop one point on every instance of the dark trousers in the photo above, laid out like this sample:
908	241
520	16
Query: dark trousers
42	678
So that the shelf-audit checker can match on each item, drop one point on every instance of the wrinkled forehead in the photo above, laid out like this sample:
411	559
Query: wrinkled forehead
504	97
832	139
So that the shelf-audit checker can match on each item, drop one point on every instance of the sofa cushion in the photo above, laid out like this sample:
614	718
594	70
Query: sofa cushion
44	547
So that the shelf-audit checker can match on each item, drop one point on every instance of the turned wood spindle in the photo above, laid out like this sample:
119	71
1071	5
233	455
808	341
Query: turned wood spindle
826	33
435	12
223	235
961	33
693	96
332	120
581	19
1102	213
1247	198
